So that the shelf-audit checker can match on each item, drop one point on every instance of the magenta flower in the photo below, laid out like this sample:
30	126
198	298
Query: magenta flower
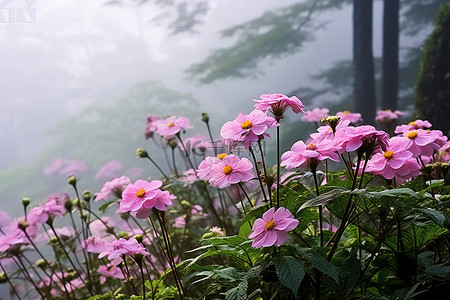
386	116
395	161
301	154
114	187
272	229
349	116
171	126
53	207
116	250
142	196
315	115
230	170
277	104
150	127
109	170
417	124
109	271
326	133
247	129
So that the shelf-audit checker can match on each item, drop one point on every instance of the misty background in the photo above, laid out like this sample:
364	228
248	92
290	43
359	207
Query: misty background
80	78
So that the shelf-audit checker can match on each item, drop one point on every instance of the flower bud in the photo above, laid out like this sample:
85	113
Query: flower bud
139	238
25	201
72	181
68	205
23	224
124	234
173	143
41	263
87	195
3	278
53	241
141	152
205	117
186	204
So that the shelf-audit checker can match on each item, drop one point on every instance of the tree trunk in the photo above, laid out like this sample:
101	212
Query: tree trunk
364	82
389	98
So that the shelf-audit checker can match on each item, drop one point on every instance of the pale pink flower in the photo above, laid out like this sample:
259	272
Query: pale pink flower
315	115
73	168
395	161
349	116
421	142
142	196
417	124
179	222
247	129
189	176
150	127
272	229
326	133
52	207
171	126
109	170
109	271
94	244
444	152
277	104
301	154
198	144
115	250
99	228
230	170
385	116
204	168
364	139
114	187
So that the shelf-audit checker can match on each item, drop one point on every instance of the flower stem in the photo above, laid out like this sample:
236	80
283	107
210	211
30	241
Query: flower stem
278	167
269	188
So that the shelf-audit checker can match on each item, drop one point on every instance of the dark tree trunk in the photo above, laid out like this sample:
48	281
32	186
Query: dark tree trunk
389	98
364	82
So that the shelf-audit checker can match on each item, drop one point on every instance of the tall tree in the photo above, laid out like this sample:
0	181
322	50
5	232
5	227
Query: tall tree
364	80
389	99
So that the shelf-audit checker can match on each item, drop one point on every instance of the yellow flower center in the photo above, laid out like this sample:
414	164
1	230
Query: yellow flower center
412	135
247	124
171	124
140	193
270	225
222	156
388	110
411	123
388	154
346	112
227	170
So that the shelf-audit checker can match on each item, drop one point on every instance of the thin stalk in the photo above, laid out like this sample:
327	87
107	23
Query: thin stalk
258	175
245	193
269	188
174	162
211	138
278	167
10	283
27	274
313	170
159	169
186	156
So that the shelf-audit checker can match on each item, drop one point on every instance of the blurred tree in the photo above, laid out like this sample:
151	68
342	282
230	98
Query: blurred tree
389	96
433	83
364	81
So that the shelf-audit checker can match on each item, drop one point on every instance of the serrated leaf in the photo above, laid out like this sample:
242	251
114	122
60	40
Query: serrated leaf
324	266
290	271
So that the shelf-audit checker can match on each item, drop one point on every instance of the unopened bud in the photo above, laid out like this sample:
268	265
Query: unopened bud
186	204
205	117
124	234
141	152
25	201
3	278
87	196
173	143
72	180
125	216
68	205
139	238
23	224
53	240
41	263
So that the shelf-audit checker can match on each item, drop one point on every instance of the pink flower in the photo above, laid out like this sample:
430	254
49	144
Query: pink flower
230	170
349	116
247	129
395	161
364	139
444	152
301	154
94	244
109	170
99	228
109	271
205	166
387	115
150	127
122	247
421	142
189	176
417	124
326	133
171	126
315	115
142	196
197	144
272	228
277	104
114	187
180	222
53	207
65	167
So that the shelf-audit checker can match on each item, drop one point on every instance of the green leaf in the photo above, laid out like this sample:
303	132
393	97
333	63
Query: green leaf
435	215
393	193
323	265
290	271
254	212
106	205
325	197
238	293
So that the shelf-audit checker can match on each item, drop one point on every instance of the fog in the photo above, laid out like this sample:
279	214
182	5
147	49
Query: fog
80	54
